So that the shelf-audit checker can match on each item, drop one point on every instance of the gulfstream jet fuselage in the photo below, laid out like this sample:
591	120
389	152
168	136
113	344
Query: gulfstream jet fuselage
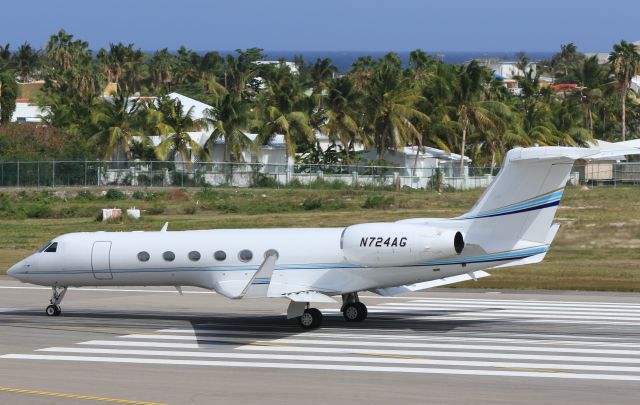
511	224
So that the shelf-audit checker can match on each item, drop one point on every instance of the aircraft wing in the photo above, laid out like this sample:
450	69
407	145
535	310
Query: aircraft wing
391	291
309	296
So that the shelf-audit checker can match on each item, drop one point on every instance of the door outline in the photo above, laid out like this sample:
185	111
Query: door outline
101	273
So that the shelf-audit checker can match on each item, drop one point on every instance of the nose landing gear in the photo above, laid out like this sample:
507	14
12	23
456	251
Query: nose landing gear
56	299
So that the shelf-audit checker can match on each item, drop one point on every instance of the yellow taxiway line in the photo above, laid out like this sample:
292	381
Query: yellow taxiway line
77	396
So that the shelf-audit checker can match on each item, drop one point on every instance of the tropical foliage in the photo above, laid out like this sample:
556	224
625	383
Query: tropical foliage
380	103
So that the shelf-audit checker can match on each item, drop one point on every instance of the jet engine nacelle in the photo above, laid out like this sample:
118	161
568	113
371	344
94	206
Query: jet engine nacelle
393	244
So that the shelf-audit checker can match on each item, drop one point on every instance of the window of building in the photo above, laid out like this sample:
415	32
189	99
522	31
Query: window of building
194	256
169	256
245	255
144	256
220	255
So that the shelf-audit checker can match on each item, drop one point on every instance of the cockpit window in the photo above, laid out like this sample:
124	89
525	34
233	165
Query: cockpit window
44	247
52	248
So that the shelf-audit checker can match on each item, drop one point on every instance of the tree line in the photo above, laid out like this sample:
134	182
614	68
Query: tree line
380	103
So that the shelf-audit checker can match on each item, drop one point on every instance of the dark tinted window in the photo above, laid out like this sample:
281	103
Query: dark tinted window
194	256
143	256
46	245
220	255
169	256
52	248
245	255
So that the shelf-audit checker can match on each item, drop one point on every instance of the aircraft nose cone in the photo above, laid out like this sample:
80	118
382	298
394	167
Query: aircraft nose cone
12	271
17	270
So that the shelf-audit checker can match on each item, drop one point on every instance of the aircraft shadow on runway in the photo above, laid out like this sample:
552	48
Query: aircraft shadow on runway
215	329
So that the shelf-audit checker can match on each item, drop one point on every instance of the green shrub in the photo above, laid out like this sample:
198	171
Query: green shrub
312	204
85	195
191	209
138	195
114	194
264	181
37	211
68	212
378	202
157	209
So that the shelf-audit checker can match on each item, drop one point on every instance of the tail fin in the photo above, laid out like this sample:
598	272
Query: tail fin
522	200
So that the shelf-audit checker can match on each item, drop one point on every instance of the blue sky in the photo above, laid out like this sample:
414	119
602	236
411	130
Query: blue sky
312	25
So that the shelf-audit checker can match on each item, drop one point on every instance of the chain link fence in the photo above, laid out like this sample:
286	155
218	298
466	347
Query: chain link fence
225	174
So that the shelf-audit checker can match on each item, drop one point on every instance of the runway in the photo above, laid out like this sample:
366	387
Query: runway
150	345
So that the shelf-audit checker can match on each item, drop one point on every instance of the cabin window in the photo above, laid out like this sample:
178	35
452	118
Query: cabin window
245	255
169	256
194	256
52	248
220	255
143	256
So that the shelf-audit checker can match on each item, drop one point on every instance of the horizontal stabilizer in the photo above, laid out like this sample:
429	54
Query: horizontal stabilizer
391	291
309	296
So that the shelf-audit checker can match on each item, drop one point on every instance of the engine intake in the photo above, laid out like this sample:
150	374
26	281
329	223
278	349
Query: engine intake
393	244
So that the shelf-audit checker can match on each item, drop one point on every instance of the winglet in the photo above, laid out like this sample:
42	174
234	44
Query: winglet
164	227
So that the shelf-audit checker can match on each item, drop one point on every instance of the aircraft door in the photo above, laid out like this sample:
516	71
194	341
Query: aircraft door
100	260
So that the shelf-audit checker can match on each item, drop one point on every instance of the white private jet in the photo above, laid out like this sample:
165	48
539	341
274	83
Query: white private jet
510	225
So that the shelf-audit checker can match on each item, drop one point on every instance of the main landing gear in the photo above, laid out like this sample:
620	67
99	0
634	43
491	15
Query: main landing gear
311	318
352	309
56	299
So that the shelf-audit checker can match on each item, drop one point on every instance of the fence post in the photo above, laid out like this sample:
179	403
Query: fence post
18	175
53	171
85	172
38	165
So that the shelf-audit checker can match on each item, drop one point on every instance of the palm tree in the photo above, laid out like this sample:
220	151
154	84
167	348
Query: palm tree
161	68
63	52
8	95
343	114
471	110
626	63
590	76
119	122
5	56
391	109
174	125
25	62
361	71
230	117
282	110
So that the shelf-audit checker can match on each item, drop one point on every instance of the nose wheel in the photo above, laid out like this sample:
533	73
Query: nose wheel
53	310
56	299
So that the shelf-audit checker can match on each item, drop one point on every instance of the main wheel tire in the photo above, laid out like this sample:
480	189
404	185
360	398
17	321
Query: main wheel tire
311	318
362	312
355	312
52	310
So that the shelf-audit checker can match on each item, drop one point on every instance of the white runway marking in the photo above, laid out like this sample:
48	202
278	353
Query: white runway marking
495	338
386	369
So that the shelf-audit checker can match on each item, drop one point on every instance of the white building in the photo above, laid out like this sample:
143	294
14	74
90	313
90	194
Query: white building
425	163
28	112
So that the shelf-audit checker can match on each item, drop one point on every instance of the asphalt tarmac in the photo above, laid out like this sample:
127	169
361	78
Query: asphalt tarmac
151	345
